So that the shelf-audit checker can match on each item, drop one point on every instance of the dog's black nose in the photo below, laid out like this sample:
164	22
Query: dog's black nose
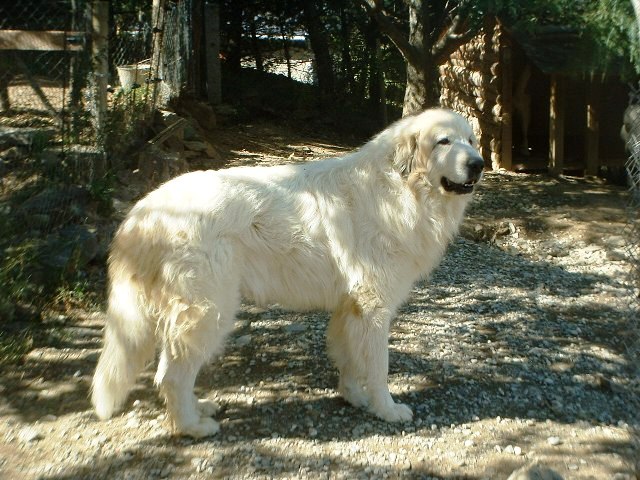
475	166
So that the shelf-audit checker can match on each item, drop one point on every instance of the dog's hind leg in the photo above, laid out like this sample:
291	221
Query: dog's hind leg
196	334
178	368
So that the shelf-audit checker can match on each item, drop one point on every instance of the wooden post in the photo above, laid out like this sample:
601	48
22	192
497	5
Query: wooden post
100	56
506	141
384	116
157	22
196	80
592	136
212	52
556	125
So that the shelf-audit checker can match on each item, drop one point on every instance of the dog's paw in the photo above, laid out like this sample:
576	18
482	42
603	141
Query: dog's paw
394	412
207	407
354	394
206	427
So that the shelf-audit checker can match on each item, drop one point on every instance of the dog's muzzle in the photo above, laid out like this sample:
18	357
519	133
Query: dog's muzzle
475	166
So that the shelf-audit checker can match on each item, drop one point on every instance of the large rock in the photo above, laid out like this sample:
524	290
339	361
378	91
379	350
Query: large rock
54	206
70	248
201	112
535	472
25	137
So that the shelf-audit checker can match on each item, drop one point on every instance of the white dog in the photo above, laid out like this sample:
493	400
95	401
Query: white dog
349	235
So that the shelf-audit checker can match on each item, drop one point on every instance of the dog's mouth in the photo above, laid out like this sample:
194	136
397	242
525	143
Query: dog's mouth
459	188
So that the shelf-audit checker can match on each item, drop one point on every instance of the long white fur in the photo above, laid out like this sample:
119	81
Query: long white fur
349	235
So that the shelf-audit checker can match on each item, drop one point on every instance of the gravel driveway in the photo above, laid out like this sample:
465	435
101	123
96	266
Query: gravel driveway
515	353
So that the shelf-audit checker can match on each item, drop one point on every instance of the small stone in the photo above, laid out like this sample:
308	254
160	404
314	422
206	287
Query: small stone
469	443
295	328
195	145
127	456
133	423
554	441
243	341
166	471
49	418
30	434
313	432
517	451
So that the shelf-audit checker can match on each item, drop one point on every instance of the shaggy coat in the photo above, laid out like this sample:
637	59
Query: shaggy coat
348	235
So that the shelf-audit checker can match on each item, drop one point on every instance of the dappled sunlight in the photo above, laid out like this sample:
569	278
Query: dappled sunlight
513	350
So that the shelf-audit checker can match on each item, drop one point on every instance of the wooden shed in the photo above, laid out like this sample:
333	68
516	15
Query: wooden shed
532	109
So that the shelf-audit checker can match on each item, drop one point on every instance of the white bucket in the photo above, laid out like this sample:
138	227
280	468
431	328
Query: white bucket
130	75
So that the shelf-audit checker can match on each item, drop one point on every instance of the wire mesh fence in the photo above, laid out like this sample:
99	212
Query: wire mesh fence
631	132
176	47
58	151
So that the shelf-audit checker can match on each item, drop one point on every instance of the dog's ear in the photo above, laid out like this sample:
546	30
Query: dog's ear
404	156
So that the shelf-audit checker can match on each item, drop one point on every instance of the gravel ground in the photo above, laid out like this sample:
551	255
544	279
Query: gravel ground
516	353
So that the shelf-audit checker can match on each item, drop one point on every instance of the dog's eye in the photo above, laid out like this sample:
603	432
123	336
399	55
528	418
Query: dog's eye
444	141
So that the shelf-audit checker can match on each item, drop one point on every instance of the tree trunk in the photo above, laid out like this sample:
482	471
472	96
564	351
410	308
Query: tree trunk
435	32
236	14
255	45
285	48
423	89
5	104
384	118
212	55
347	63
371	42
196	78
320	47
375	80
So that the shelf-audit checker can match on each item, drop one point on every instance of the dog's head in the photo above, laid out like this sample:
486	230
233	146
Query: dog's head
439	146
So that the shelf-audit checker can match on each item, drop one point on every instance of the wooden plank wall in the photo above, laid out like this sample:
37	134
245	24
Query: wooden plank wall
49	40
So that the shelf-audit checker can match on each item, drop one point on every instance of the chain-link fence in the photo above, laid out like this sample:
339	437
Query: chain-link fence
631	133
176	45
68	116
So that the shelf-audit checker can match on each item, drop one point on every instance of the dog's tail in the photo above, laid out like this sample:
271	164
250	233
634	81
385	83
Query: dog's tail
129	340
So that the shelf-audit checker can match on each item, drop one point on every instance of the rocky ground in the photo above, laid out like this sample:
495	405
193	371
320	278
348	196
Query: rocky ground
518	352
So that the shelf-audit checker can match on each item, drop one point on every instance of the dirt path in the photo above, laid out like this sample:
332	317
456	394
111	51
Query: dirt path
515	352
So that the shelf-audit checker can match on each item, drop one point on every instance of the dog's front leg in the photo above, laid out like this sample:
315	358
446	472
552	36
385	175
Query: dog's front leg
376	353
358	343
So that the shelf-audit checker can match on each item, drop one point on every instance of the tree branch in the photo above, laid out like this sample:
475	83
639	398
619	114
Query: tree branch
453	37
391	29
